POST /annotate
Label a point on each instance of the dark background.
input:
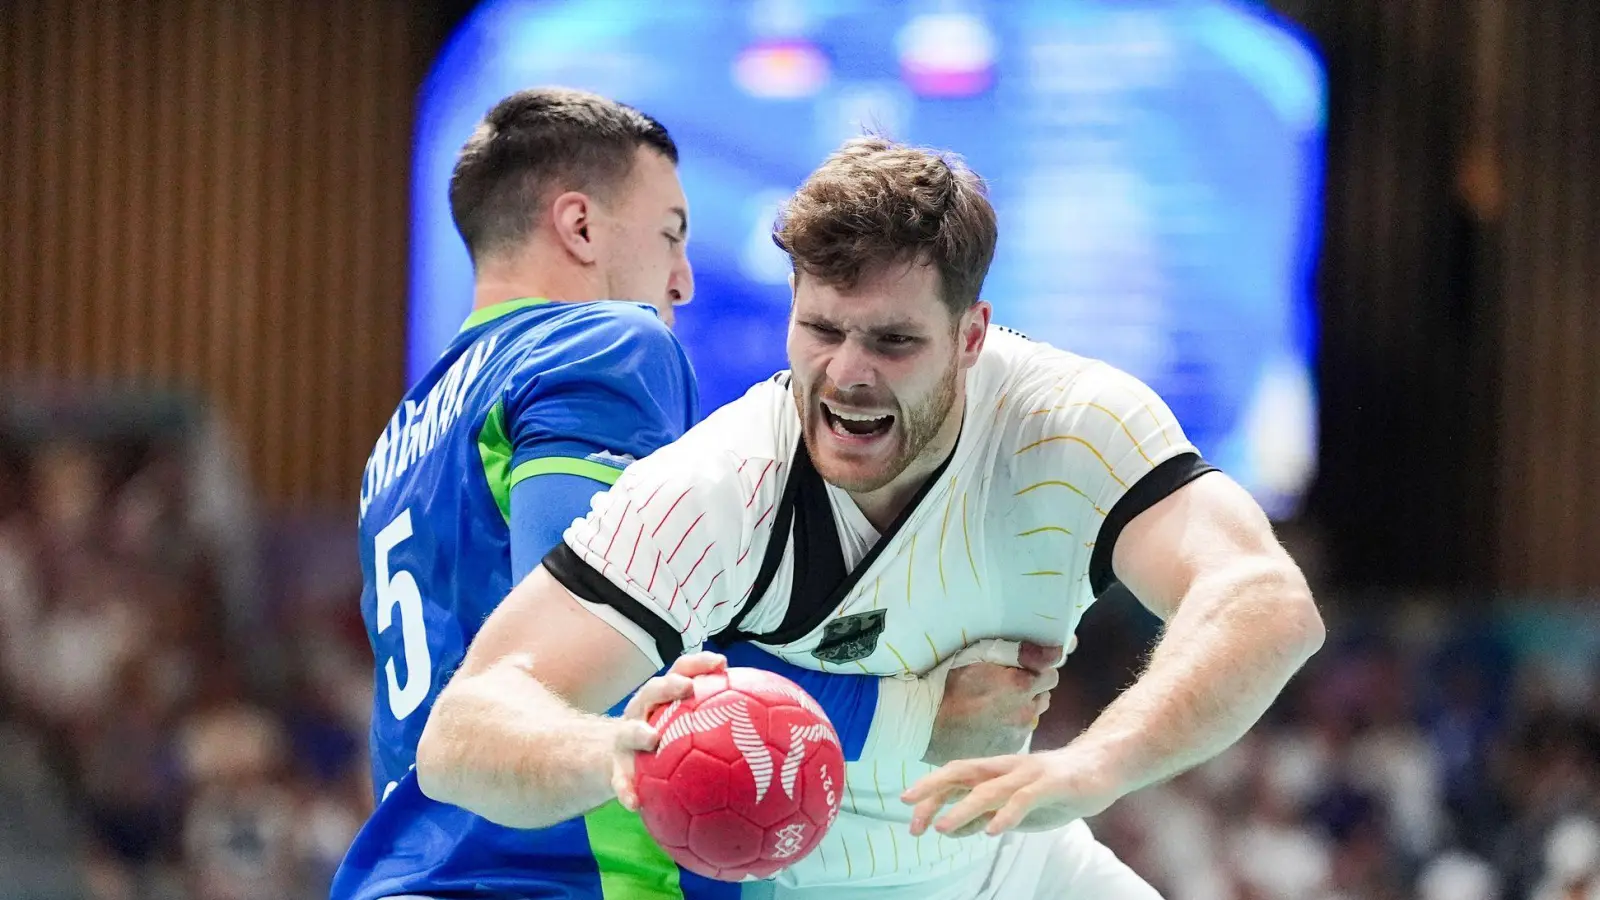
(195, 192)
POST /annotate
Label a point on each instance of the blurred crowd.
(179, 722)
(1429, 754)
(162, 739)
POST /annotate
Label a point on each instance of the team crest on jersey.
(607, 458)
(849, 638)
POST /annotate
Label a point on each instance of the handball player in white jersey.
(919, 481)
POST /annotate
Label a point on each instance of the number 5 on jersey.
(400, 589)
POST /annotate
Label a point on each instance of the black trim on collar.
(820, 580)
(1158, 484)
(770, 560)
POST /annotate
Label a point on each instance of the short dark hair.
(538, 142)
(876, 203)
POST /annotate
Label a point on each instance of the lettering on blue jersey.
(416, 426)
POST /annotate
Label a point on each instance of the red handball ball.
(747, 778)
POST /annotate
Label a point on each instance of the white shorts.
(1064, 864)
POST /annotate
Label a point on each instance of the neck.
(884, 505)
(530, 274)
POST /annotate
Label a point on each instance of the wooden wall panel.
(1458, 292)
(1406, 470)
(1548, 112)
(212, 194)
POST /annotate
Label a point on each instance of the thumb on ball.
(636, 736)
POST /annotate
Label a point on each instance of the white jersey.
(1000, 544)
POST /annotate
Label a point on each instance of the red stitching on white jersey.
(620, 519)
(636, 539)
(685, 537)
(653, 495)
(763, 517)
(696, 605)
(653, 572)
(671, 509)
(703, 554)
(757, 491)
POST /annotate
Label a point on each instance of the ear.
(971, 331)
(570, 215)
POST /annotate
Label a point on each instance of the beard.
(914, 429)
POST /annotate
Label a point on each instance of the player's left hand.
(637, 735)
(1026, 792)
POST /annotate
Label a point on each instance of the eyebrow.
(897, 327)
(905, 327)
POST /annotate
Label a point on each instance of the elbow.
(1271, 599)
(1304, 632)
(449, 767)
(435, 762)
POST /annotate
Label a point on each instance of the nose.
(680, 284)
(850, 366)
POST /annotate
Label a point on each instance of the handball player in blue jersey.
(571, 209)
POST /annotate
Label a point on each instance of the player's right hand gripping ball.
(747, 778)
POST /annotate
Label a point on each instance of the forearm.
(500, 744)
(1227, 652)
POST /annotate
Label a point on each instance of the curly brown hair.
(876, 203)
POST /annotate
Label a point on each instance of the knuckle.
(1025, 795)
(991, 792)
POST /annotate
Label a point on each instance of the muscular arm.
(1239, 622)
(518, 736)
(542, 508)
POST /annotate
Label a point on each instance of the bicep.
(1210, 525)
(573, 652)
(542, 508)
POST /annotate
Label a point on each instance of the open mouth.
(856, 425)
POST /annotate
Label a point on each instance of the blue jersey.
(533, 408)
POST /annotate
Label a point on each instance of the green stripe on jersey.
(494, 448)
(490, 313)
(565, 465)
(632, 865)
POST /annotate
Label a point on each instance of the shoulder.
(1081, 417)
(740, 449)
(1047, 379)
(623, 320)
(604, 350)
(605, 328)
